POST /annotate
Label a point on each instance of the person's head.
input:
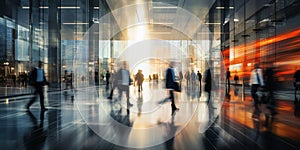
(172, 64)
(256, 65)
(124, 64)
(40, 63)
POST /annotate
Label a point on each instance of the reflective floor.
(86, 119)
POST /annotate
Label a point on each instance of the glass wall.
(263, 32)
(42, 30)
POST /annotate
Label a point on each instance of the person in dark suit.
(199, 78)
(228, 81)
(114, 85)
(207, 86)
(38, 81)
(297, 83)
(107, 77)
(171, 84)
(271, 101)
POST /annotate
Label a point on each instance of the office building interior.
(83, 44)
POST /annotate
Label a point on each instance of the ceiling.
(163, 19)
(197, 7)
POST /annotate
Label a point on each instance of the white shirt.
(253, 79)
(125, 77)
(39, 75)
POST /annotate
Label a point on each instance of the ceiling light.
(75, 23)
(219, 7)
(68, 7)
(265, 20)
(236, 20)
(25, 7)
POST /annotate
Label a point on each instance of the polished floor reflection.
(86, 119)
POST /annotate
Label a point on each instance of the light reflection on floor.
(147, 116)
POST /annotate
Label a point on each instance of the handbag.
(175, 86)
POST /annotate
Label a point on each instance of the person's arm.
(261, 77)
(45, 80)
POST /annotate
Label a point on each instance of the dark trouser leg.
(112, 90)
(172, 97)
(254, 88)
(227, 85)
(41, 93)
(173, 106)
(33, 99)
(200, 85)
(126, 88)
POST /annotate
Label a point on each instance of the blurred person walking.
(199, 79)
(71, 76)
(208, 84)
(193, 79)
(236, 79)
(228, 81)
(107, 78)
(66, 79)
(38, 80)
(256, 81)
(115, 85)
(139, 77)
(270, 100)
(172, 85)
(180, 77)
(297, 84)
(187, 77)
(124, 81)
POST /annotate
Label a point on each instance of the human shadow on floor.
(171, 129)
(36, 136)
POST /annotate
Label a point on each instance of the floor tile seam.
(227, 133)
(229, 124)
(281, 138)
